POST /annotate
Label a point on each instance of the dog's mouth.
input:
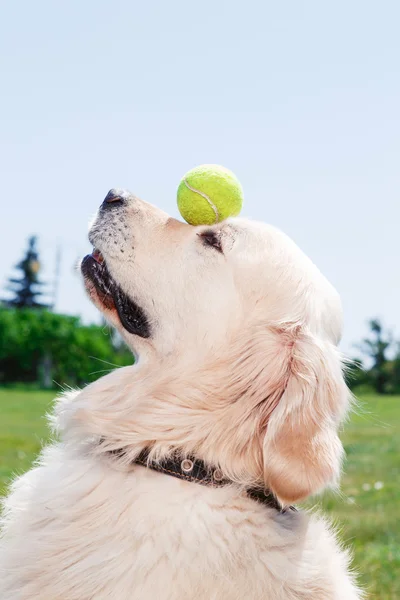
(103, 288)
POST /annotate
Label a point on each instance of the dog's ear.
(301, 449)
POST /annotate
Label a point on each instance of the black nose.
(114, 198)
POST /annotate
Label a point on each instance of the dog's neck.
(216, 412)
(195, 471)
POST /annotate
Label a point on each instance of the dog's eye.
(211, 238)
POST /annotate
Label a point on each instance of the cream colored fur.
(241, 370)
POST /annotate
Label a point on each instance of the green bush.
(41, 346)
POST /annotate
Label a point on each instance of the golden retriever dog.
(174, 478)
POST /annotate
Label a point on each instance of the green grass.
(23, 429)
(368, 518)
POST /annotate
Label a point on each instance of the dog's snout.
(114, 198)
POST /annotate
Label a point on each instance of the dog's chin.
(110, 299)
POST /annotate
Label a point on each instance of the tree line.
(380, 370)
(40, 346)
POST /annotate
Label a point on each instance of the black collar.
(194, 470)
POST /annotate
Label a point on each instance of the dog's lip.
(103, 289)
(97, 279)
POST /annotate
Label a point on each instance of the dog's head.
(236, 330)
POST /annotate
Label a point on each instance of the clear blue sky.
(300, 99)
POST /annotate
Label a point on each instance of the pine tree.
(376, 347)
(26, 289)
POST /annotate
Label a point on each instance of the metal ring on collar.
(187, 465)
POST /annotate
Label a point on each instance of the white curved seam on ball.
(192, 189)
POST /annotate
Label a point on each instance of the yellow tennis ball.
(209, 194)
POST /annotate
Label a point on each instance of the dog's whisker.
(106, 362)
(101, 371)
